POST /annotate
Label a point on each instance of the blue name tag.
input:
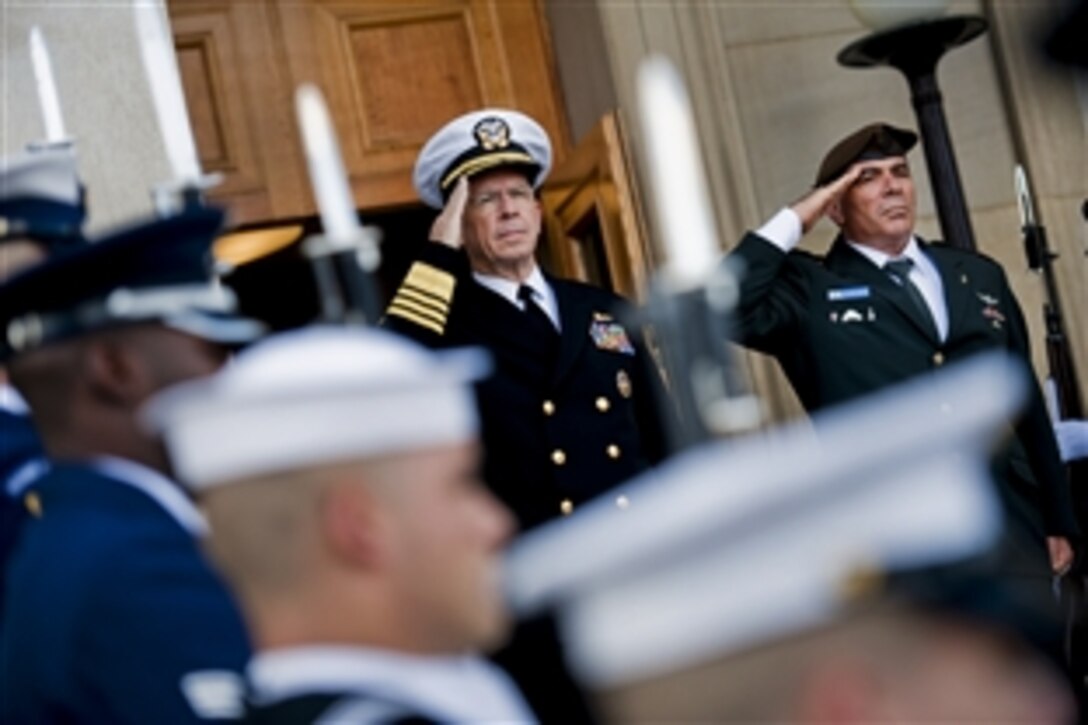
(848, 293)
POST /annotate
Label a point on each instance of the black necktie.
(539, 317)
(899, 270)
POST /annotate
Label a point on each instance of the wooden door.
(392, 73)
(593, 224)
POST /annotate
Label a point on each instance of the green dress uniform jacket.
(563, 420)
(840, 327)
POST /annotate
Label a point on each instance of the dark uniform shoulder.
(963, 255)
(606, 300)
(977, 264)
(804, 257)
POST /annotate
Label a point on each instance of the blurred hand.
(815, 204)
(1061, 554)
(447, 228)
(1072, 438)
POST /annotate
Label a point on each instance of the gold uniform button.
(559, 457)
(602, 404)
(566, 507)
(33, 504)
(549, 407)
(938, 358)
(613, 451)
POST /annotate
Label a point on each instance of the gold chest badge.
(623, 383)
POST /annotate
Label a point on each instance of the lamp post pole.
(914, 50)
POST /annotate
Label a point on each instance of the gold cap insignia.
(492, 133)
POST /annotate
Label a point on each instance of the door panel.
(594, 226)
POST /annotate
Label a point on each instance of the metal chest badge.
(991, 311)
(623, 383)
(610, 335)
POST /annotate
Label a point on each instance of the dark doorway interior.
(279, 288)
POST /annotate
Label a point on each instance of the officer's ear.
(115, 372)
(834, 212)
(352, 526)
(839, 689)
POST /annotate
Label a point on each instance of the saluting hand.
(815, 203)
(447, 227)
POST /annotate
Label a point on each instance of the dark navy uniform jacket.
(111, 607)
(559, 428)
(19, 447)
(841, 328)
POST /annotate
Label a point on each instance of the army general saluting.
(883, 306)
(571, 410)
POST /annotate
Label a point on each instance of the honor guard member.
(884, 305)
(571, 410)
(112, 614)
(831, 582)
(350, 520)
(41, 211)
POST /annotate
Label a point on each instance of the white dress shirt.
(543, 294)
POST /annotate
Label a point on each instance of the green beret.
(875, 141)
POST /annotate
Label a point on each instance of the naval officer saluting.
(571, 411)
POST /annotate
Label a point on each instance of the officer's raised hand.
(817, 202)
(447, 228)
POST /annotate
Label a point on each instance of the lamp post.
(914, 48)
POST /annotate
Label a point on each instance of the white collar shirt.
(543, 294)
(158, 487)
(11, 401)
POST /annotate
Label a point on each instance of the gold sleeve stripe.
(438, 307)
(406, 304)
(411, 317)
(414, 314)
(431, 280)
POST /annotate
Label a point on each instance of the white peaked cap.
(48, 174)
(476, 142)
(738, 543)
(316, 396)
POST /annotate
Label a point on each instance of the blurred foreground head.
(91, 332)
(840, 576)
(339, 471)
(888, 657)
(41, 207)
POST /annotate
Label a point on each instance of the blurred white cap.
(316, 396)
